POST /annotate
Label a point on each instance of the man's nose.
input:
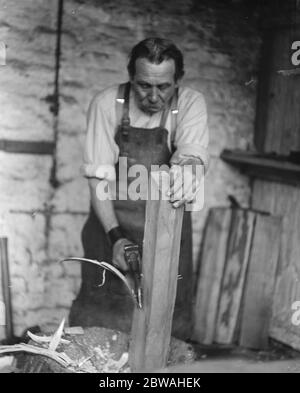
(153, 97)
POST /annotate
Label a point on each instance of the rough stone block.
(32, 298)
(28, 30)
(59, 293)
(72, 196)
(65, 236)
(24, 181)
(69, 157)
(27, 241)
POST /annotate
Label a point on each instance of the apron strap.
(174, 113)
(122, 104)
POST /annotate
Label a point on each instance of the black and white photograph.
(150, 190)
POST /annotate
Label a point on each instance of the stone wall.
(43, 223)
(28, 29)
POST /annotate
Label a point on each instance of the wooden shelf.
(263, 166)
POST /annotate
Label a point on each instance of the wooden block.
(151, 327)
(283, 200)
(237, 257)
(259, 290)
(211, 272)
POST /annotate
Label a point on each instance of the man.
(149, 120)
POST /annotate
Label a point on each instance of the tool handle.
(132, 258)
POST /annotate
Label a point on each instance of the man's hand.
(184, 184)
(118, 258)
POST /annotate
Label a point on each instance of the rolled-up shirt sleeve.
(100, 151)
(192, 136)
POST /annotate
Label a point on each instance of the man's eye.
(163, 87)
(144, 86)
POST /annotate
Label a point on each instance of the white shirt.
(101, 151)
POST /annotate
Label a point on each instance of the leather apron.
(111, 305)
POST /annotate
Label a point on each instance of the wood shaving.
(45, 339)
(59, 357)
(57, 336)
(74, 330)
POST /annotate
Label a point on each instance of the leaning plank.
(151, 327)
(234, 275)
(283, 200)
(257, 304)
(210, 276)
(6, 304)
(2, 304)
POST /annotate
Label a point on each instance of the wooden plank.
(5, 284)
(151, 327)
(2, 304)
(283, 200)
(285, 113)
(263, 92)
(260, 283)
(211, 272)
(278, 116)
(234, 275)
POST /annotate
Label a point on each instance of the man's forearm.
(185, 158)
(104, 209)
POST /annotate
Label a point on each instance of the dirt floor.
(98, 350)
(278, 358)
(276, 351)
(102, 350)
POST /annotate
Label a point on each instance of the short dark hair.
(156, 50)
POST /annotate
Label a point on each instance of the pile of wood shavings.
(99, 350)
(102, 350)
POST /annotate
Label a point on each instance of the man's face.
(153, 84)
